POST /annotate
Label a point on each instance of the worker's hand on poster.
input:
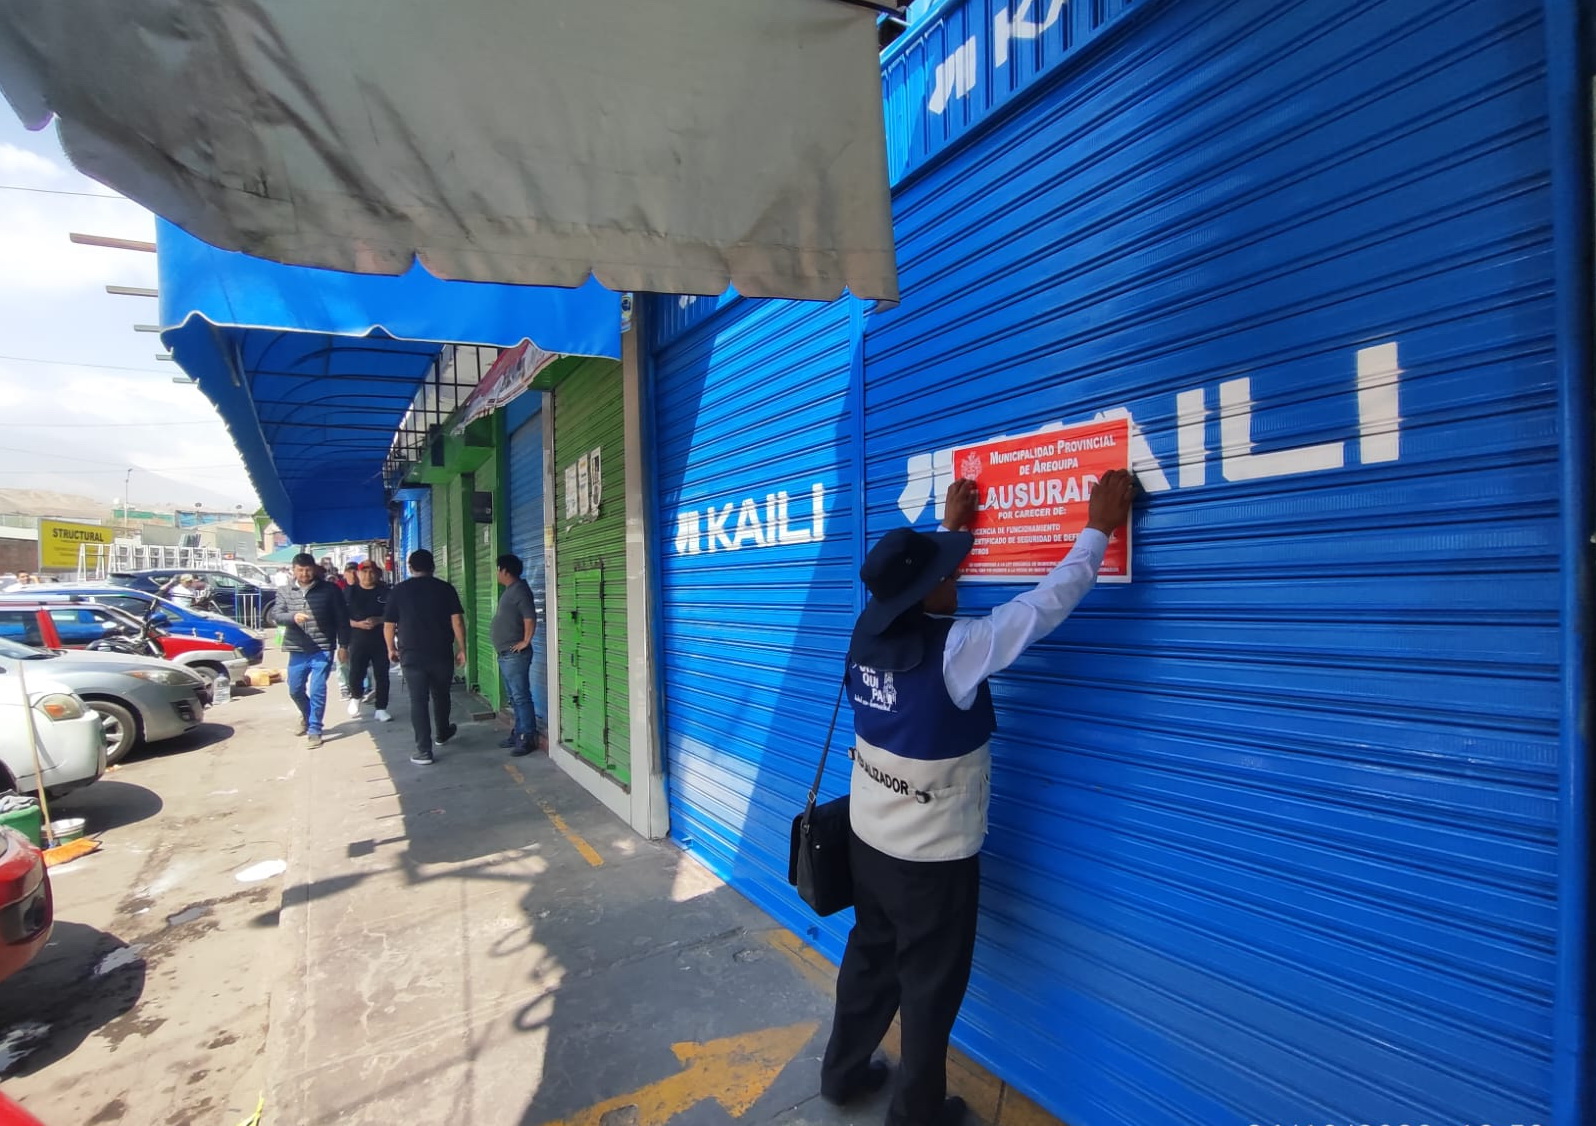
(962, 502)
(1110, 505)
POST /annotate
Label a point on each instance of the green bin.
(29, 822)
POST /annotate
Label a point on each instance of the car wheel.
(121, 729)
(211, 674)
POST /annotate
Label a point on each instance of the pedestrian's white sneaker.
(383, 717)
(354, 709)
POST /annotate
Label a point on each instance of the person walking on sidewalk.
(514, 624)
(315, 625)
(923, 719)
(368, 647)
(425, 629)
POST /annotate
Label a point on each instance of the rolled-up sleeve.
(979, 647)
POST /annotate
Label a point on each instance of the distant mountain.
(151, 492)
(162, 494)
(42, 502)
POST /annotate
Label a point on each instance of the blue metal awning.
(313, 370)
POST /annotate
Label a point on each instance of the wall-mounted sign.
(1034, 492)
(60, 542)
(584, 487)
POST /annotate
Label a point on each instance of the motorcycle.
(139, 642)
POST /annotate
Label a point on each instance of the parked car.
(183, 621)
(61, 625)
(27, 910)
(139, 699)
(12, 1114)
(72, 742)
(238, 598)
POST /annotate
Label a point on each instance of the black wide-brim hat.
(901, 570)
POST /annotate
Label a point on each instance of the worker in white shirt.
(923, 719)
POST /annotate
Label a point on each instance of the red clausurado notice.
(1033, 498)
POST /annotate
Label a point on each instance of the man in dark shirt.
(368, 648)
(315, 625)
(424, 625)
(514, 623)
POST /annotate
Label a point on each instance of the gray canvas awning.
(676, 147)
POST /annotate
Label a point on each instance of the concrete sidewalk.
(480, 941)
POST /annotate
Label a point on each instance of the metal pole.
(1568, 81)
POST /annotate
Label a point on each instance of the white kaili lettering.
(1192, 416)
(1020, 26)
(955, 77)
(689, 533)
(748, 526)
(784, 532)
(717, 520)
(713, 529)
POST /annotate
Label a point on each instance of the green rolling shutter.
(485, 598)
(595, 721)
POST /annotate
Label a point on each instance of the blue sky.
(102, 403)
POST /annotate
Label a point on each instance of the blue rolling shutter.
(1273, 833)
(407, 529)
(409, 524)
(757, 595)
(526, 540)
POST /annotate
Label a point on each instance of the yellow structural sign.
(735, 1072)
(61, 541)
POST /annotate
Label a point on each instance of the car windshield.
(16, 652)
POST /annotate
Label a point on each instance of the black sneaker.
(303, 728)
(447, 733)
(509, 741)
(523, 748)
(423, 758)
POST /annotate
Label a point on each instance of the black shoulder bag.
(817, 863)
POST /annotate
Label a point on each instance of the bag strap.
(825, 750)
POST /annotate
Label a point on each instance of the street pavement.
(361, 940)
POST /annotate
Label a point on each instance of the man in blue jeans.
(315, 621)
(514, 624)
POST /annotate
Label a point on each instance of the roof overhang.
(313, 370)
(678, 147)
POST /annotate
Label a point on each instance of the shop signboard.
(511, 374)
(59, 541)
(1034, 492)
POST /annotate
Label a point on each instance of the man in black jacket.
(368, 649)
(315, 623)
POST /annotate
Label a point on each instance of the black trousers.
(428, 679)
(367, 653)
(909, 950)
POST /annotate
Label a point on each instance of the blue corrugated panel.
(670, 315)
(526, 539)
(753, 634)
(966, 59)
(1274, 827)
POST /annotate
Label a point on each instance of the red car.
(75, 625)
(27, 910)
(13, 1115)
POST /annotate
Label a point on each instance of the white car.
(71, 735)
